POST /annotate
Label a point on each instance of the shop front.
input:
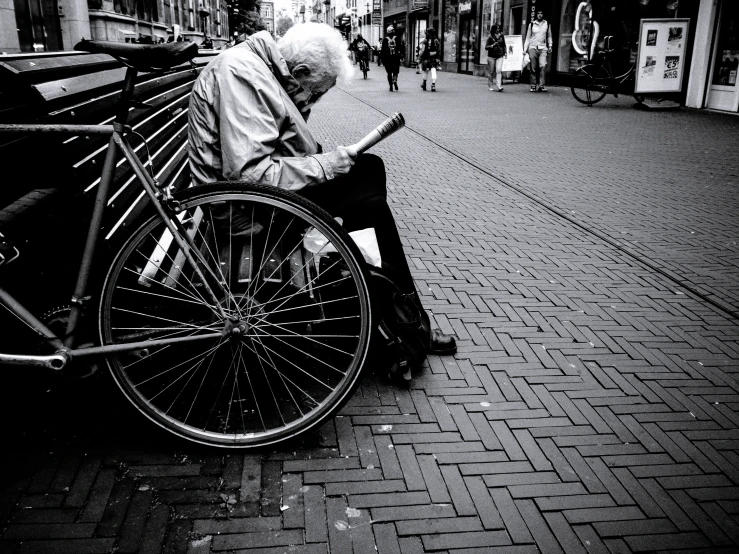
(579, 28)
(723, 90)
(465, 26)
(418, 21)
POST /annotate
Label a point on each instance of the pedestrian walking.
(538, 44)
(392, 52)
(430, 58)
(497, 51)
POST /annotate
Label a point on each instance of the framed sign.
(514, 60)
(661, 56)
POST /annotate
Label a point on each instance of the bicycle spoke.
(138, 385)
(285, 377)
(290, 327)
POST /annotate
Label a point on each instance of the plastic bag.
(526, 60)
(365, 239)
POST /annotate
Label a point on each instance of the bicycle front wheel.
(276, 353)
(589, 84)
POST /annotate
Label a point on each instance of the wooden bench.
(49, 180)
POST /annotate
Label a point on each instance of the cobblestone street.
(586, 259)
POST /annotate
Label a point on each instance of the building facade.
(267, 12)
(49, 25)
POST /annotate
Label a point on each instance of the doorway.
(723, 93)
(466, 44)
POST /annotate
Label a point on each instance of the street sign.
(376, 19)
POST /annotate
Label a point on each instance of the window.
(451, 8)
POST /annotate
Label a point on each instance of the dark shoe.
(396, 85)
(442, 344)
(542, 89)
(391, 88)
(423, 85)
(433, 87)
(532, 88)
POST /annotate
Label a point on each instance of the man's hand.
(343, 158)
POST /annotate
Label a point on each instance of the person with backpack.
(430, 58)
(496, 49)
(538, 45)
(392, 53)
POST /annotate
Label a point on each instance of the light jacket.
(244, 123)
(538, 36)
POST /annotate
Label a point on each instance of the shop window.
(579, 32)
(727, 53)
(451, 9)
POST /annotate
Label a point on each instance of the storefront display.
(727, 51)
(584, 24)
(450, 18)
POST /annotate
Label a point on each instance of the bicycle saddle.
(143, 57)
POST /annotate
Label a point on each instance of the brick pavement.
(592, 406)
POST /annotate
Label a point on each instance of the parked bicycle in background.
(592, 82)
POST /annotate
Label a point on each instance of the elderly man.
(247, 122)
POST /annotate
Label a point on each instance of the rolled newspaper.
(382, 131)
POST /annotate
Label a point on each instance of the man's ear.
(301, 71)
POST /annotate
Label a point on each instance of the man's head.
(390, 31)
(359, 36)
(316, 57)
(539, 15)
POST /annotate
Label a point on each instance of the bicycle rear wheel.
(589, 84)
(287, 347)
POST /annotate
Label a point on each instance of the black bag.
(402, 337)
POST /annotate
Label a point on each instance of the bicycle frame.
(65, 350)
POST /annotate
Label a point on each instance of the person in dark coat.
(392, 53)
(496, 49)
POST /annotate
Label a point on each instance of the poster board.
(514, 46)
(662, 55)
(514, 60)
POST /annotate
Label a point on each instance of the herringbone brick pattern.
(593, 405)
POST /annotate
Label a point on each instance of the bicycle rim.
(288, 349)
(588, 83)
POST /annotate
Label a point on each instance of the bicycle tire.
(584, 83)
(303, 330)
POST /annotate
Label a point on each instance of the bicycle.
(233, 315)
(591, 82)
(364, 66)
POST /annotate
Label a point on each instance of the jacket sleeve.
(550, 42)
(250, 114)
(505, 48)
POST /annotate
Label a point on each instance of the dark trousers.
(360, 199)
(392, 68)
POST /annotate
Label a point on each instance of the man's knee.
(369, 169)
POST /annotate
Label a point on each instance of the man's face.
(539, 16)
(317, 85)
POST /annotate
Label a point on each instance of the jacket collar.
(264, 46)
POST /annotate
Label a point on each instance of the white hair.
(320, 47)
